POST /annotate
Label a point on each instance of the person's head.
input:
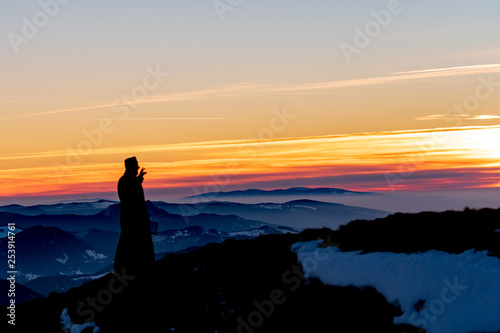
(131, 164)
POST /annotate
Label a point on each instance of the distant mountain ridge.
(61, 251)
(289, 191)
(221, 215)
(77, 207)
(25, 210)
(46, 251)
(303, 213)
(173, 221)
(109, 219)
(59, 260)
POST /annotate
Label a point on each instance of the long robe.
(135, 249)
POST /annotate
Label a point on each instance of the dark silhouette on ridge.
(135, 250)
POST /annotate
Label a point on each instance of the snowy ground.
(438, 291)
(69, 326)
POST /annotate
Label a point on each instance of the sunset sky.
(222, 95)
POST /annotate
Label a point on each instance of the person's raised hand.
(142, 173)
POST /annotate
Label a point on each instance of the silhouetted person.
(135, 249)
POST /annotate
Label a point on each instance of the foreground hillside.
(211, 288)
(259, 285)
(450, 231)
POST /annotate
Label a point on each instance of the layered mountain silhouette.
(223, 216)
(65, 250)
(22, 292)
(226, 286)
(49, 251)
(90, 207)
(300, 191)
(297, 213)
(68, 222)
(108, 219)
(25, 210)
(56, 260)
(170, 221)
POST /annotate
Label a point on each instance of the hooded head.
(131, 164)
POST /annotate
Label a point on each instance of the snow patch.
(95, 255)
(308, 207)
(63, 261)
(28, 276)
(183, 233)
(81, 234)
(68, 326)
(270, 206)
(102, 205)
(157, 239)
(93, 277)
(457, 292)
(249, 233)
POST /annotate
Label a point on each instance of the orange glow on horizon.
(413, 160)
